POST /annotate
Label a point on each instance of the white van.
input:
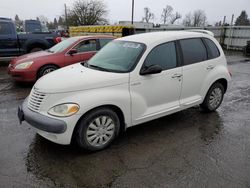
(132, 80)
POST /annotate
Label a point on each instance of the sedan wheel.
(45, 70)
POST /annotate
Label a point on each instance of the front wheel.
(97, 129)
(46, 69)
(213, 98)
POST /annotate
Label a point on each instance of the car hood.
(31, 57)
(77, 77)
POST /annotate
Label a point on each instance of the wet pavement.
(187, 149)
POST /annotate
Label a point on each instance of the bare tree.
(175, 17)
(43, 19)
(197, 19)
(87, 12)
(166, 14)
(148, 15)
(187, 21)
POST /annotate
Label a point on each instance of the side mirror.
(153, 69)
(72, 51)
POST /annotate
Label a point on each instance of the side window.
(86, 46)
(5, 29)
(163, 55)
(213, 51)
(103, 42)
(193, 50)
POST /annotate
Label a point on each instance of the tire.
(46, 69)
(213, 98)
(97, 129)
(36, 49)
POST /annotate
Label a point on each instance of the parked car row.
(30, 67)
(14, 44)
(130, 81)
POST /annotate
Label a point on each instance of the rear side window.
(163, 55)
(5, 29)
(103, 42)
(193, 50)
(213, 51)
(86, 46)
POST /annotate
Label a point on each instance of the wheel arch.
(223, 81)
(36, 44)
(115, 108)
(47, 64)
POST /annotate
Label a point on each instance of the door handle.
(210, 67)
(177, 76)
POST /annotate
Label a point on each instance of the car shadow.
(69, 165)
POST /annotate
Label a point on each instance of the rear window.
(213, 51)
(5, 29)
(103, 42)
(193, 50)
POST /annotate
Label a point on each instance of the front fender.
(89, 99)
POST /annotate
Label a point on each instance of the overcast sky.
(121, 9)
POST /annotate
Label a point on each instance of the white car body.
(140, 98)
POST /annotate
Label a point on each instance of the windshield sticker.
(131, 45)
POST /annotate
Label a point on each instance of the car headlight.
(24, 65)
(64, 110)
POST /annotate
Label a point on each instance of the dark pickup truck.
(13, 44)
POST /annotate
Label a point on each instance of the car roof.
(162, 36)
(93, 36)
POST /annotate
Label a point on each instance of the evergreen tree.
(242, 19)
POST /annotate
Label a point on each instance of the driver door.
(156, 95)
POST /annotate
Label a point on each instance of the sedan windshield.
(117, 56)
(61, 46)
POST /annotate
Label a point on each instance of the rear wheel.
(213, 98)
(97, 129)
(46, 69)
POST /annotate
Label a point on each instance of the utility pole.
(230, 33)
(222, 32)
(133, 5)
(66, 16)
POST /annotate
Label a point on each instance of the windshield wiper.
(96, 67)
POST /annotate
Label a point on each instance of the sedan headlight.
(64, 110)
(24, 65)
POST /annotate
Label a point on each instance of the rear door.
(8, 40)
(194, 70)
(85, 50)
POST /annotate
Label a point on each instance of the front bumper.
(40, 121)
(22, 75)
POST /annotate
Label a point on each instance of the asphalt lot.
(186, 149)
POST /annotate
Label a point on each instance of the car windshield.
(61, 46)
(117, 56)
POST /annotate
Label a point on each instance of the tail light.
(57, 39)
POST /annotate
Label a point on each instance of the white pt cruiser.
(132, 80)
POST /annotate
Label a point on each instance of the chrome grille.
(35, 100)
